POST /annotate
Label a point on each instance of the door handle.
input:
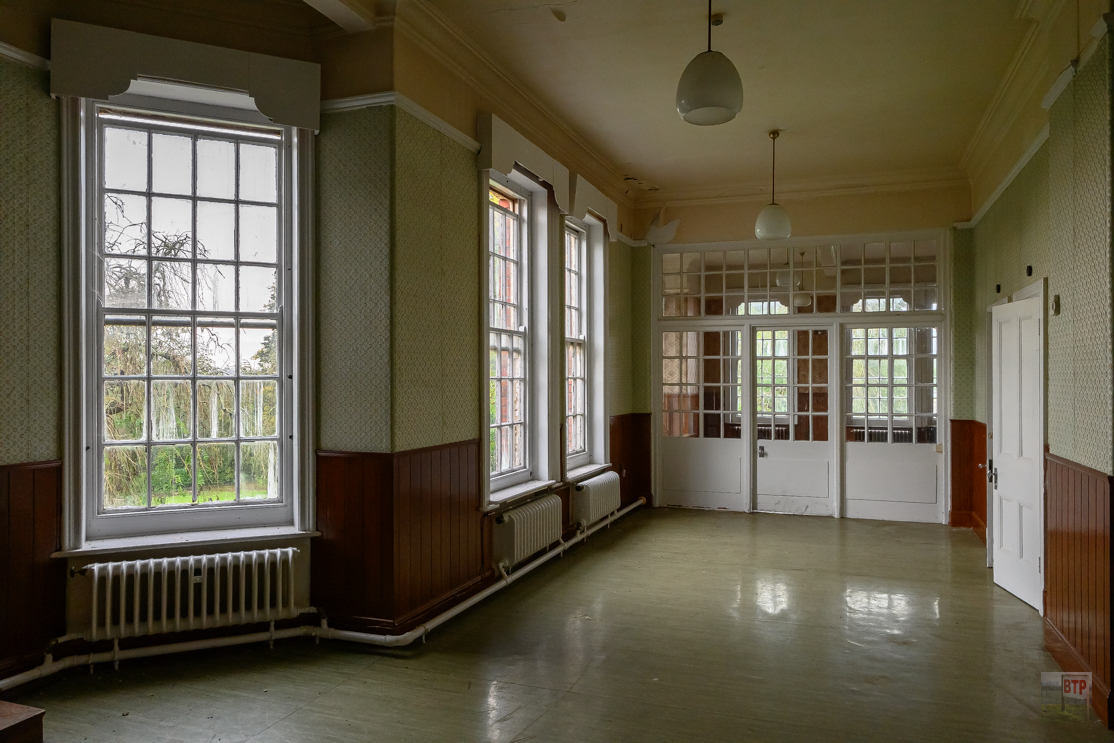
(761, 451)
(992, 477)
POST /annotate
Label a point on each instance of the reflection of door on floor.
(1017, 447)
(792, 424)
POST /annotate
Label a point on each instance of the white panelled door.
(1017, 448)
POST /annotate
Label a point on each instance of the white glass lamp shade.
(773, 223)
(801, 300)
(710, 91)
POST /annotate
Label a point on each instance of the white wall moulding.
(1042, 137)
(394, 98)
(97, 62)
(501, 147)
(586, 198)
(1058, 86)
(16, 54)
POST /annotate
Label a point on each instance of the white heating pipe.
(50, 666)
(117, 655)
(394, 641)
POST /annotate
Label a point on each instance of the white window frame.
(545, 344)
(583, 337)
(522, 215)
(593, 244)
(87, 525)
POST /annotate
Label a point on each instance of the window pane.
(125, 159)
(259, 470)
(172, 285)
(172, 164)
(216, 169)
(172, 227)
(258, 233)
(258, 411)
(125, 224)
(258, 289)
(125, 350)
(172, 349)
(216, 350)
(216, 287)
(258, 168)
(216, 410)
(125, 411)
(216, 473)
(216, 230)
(258, 351)
(171, 475)
(124, 476)
(170, 408)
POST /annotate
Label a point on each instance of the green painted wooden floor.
(672, 625)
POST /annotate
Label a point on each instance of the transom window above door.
(898, 276)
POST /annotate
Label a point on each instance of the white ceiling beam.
(351, 15)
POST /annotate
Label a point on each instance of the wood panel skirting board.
(404, 536)
(1078, 573)
(32, 585)
(968, 480)
(631, 443)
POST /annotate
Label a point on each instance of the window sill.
(190, 539)
(589, 470)
(500, 498)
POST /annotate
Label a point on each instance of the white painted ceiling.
(862, 89)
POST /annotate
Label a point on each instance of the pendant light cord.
(773, 168)
(709, 25)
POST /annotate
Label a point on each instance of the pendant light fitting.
(710, 91)
(773, 222)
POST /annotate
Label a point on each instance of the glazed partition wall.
(803, 378)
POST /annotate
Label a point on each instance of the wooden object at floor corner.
(1077, 622)
(968, 480)
(20, 724)
(32, 584)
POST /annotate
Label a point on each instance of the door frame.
(942, 317)
(1036, 290)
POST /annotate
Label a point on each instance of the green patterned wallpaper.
(30, 362)
(619, 329)
(353, 280)
(641, 358)
(963, 324)
(1055, 216)
(435, 283)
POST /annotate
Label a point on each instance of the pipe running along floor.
(672, 625)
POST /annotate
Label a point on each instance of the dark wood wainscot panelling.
(968, 451)
(403, 536)
(32, 585)
(631, 444)
(1078, 572)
